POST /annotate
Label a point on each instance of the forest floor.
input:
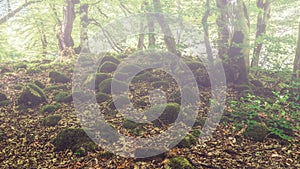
(26, 143)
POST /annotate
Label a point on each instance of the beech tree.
(297, 57)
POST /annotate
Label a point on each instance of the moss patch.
(63, 97)
(188, 141)
(180, 163)
(39, 84)
(102, 97)
(105, 86)
(75, 139)
(50, 108)
(51, 120)
(169, 114)
(32, 95)
(110, 59)
(108, 67)
(257, 132)
(58, 77)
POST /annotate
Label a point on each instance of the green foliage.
(275, 113)
(188, 141)
(257, 131)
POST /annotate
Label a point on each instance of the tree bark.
(262, 22)
(297, 57)
(206, 32)
(150, 23)
(84, 22)
(141, 43)
(168, 36)
(233, 40)
(65, 40)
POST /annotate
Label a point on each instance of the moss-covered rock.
(39, 84)
(102, 97)
(110, 59)
(108, 67)
(202, 77)
(4, 103)
(176, 97)
(169, 114)
(75, 139)
(20, 66)
(55, 87)
(146, 76)
(188, 141)
(3, 97)
(122, 101)
(128, 124)
(51, 120)
(58, 77)
(97, 79)
(180, 163)
(130, 69)
(49, 108)
(64, 97)
(121, 76)
(194, 65)
(31, 95)
(105, 86)
(257, 132)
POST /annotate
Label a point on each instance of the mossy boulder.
(122, 101)
(49, 108)
(39, 84)
(180, 163)
(188, 141)
(64, 97)
(51, 120)
(194, 65)
(128, 124)
(55, 87)
(169, 114)
(257, 131)
(108, 67)
(75, 139)
(97, 79)
(58, 77)
(146, 76)
(110, 59)
(31, 95)
(3, 97)
(102, 97)
(105, 86)
(202, 77)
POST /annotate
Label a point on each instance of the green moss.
(55, 87)
(39, 84)
(122, 101)
(102, 97)
(105, 86)
(4, 103)
(63, 97)
(146, 76)
(194, 65)
(110, 59)
(130, 69)
(33, 70)
(18, 87)
(108, 67)
(2, 97)
(128, 124)
(97, 79)
(169, 114)
(180, 163)
(58, 77)
(50, 108)
(107, 155)
(161, 84)
(202, 77)
(257, 132)
(20, 66)
(188, 141)
(31, 95)
(197, 133)
(51, 120)
(74, 139)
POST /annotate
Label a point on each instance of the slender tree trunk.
(206, 32)
(168, 36)
(297, 57)
(150, 23)
(65, 40)
(262, 22)
(84, 22)
(141, 44)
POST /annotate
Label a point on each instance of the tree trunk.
(65, 41)
(233, 48)
(297, 57)
(84, 22)
(262, 22)
(150, 23)
(206, 32)
(168, 36)
(141, 44)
